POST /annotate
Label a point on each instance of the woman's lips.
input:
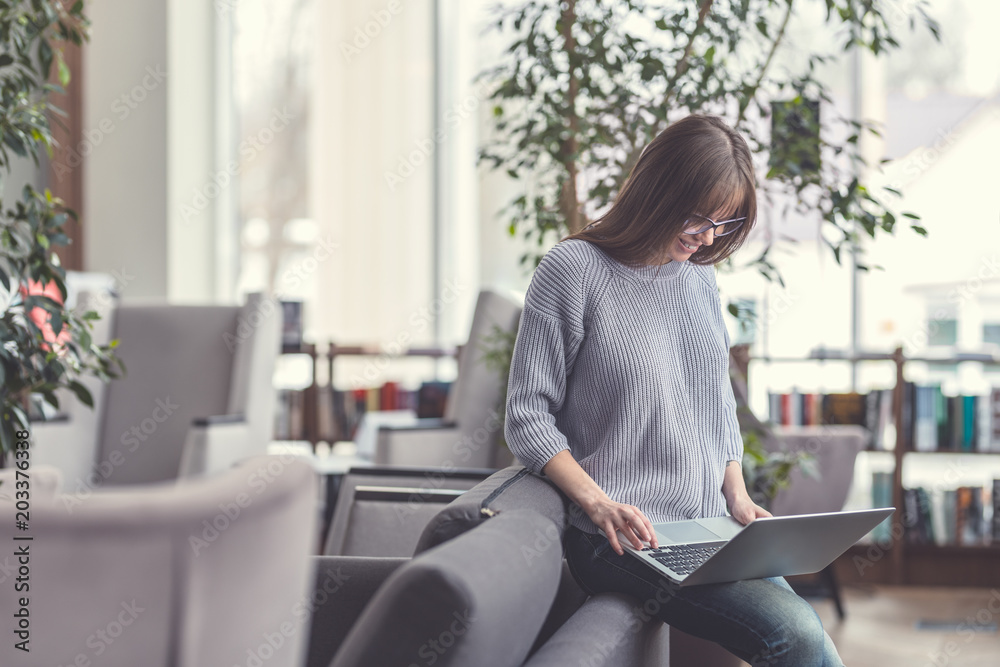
(686, 249)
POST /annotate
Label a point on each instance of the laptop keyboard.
(684, 558)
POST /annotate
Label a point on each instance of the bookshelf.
(305, 411)
(898, 560)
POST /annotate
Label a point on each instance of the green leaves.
(43, 345)
(571, 119)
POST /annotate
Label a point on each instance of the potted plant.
(44, 346)
(584, 86)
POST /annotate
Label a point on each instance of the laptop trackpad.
(684, 531)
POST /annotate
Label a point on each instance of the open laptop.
(720, 549)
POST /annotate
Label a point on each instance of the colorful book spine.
(882, 497)
(925, 422)
(949, 514)
(941, 417)
(995, 533)
(994, 427)
(968, 423)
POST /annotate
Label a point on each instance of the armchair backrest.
(474, 399)
(256, 340)
(178, 369)
(168, 574)
(835, 448)
(186, 363)
(380, 524)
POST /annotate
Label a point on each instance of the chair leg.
(834, 587)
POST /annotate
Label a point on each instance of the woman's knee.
(800, 641)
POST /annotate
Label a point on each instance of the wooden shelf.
(310, 394)
(901, 562)
(991, 550)
(950, 451)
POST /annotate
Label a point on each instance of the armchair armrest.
(431, 444)
(218, 419)
(609, 629)
(215, 443)
(423, 424)
(343, 586)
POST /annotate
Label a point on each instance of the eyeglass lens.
(696, 225)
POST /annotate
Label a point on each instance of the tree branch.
(569, 201)
(745, 103)
(682, 66)
(684, 62)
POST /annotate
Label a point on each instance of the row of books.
(964, 516)
(872, 410)
(338, 412)
(931, 421)
(951, 423)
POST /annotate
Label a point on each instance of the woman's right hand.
(606, 514)
(612, 517)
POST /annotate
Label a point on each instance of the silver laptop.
(720, 549)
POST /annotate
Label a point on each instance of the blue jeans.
(761, 621)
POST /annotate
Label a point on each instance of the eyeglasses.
(696, 224)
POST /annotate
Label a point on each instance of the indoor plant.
(44, 345)
(584, 85)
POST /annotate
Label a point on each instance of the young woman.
(619, 390)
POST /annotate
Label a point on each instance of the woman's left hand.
(745, 510)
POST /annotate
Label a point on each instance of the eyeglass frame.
(713, 223)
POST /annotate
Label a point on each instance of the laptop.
(720, 549)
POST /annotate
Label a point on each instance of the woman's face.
(685, 245)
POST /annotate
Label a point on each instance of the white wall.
(197, 183)
(373, 172)
(148, 117)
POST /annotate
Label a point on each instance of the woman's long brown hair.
(697, 165)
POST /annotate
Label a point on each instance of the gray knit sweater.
(630, 372)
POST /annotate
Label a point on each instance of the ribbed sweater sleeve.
(548, 338)
(733, 439)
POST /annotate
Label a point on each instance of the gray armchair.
(487, 586)
(468, 434)
(203, 573)
(382, 511)
(197, 396)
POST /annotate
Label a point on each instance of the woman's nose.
(707, 236)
